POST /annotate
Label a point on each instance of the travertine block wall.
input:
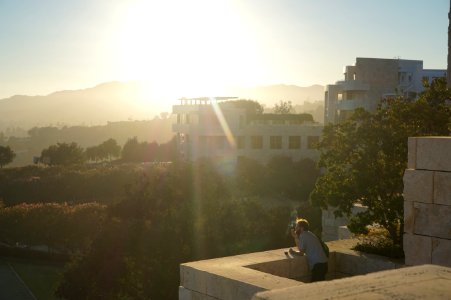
(427, 202)
(334, 228)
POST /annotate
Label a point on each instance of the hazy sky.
(200, 46)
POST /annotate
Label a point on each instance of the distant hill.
(114, 101)
(118, 101)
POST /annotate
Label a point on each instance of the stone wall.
(427, 202)
(335, 228)
(242, 276)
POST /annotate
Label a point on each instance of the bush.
(378, 242)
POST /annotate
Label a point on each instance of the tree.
(63, 154)
(252, 107)
(365, 158)
(284, 107)
(110, 148)
(6, 155)
(106, 150)
(176, 213)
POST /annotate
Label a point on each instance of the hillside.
(118, 101)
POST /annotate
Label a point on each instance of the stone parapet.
(242, 276)
(420, 282)
(427, 205)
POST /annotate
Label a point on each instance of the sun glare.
(182, 51)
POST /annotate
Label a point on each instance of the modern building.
(221, 130)
(372, 79)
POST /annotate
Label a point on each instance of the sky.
(205, 46)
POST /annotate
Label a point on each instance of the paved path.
(11, 286)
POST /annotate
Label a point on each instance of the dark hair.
(302, 223)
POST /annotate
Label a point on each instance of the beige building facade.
(219, 130)
(371, 79)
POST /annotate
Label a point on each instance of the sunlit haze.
(204, 47)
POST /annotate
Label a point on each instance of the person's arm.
(299, 251)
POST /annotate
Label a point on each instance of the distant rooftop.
(204, 100)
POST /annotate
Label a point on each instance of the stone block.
(246, 291)
(441, 252)
(432, 220)
(298, 268)
(418, 185)
(349, 264)
(409, 217)
(433, 153)
(442, 188)
(412, 155)
(420, 282)
(375, 263)
(184, 294)
(417, 249)
(193, 279)
(344, 233)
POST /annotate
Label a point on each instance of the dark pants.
(319, 272)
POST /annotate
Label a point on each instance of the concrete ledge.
(242, 276)
(420, 282)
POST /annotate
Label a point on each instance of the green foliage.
(283, 107)
(281, 177)
(365, 158)
(135, 151)
(73, 184)
(6, 155)
(252, 107)
(173, 214)
(63, 154)
(105, 151)
(40, 138)
(59, 226)
(380, 245)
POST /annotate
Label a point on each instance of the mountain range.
(120, 101)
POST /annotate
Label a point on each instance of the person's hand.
(293, 233)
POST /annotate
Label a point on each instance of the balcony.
(351, 104)
(353, 85)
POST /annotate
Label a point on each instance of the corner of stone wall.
(427, 202)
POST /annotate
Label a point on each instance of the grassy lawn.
(41, 277)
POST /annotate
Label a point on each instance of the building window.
(240, 142)
(257, 142)
(275, 142)
(294, 142)
(312, 142)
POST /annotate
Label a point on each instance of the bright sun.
(182, 51)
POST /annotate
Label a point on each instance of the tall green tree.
(365, 158)
(106, 150)
(63, 154)
(6, 155)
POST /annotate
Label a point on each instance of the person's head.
(301, 224)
